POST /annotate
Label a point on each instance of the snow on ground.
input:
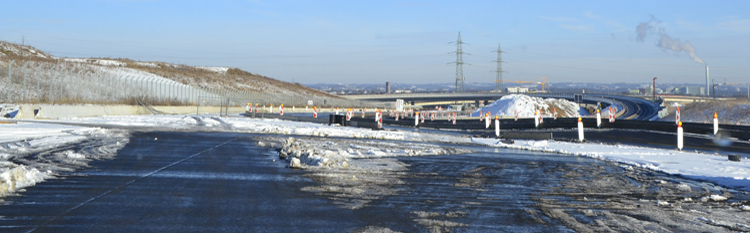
(104, 62)
(217, 69)
(33, 152)
(526, 106)
(326, 147)
(712, 168)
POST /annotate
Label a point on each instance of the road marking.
(130, 182)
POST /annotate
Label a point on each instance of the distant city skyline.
(403, 42)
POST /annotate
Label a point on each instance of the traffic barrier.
(598, 119)
(281, 109)
(422, 117)
(454, 118)
(677, 115)
(536, 119)
(397, 115)
(515, 112)
(363, 113)
(247, 107)
(348, 114)
(432, 116)
(679, 135)
(315, 112)
(481, 115)
(541, 117)
(379, 118)
(611, 115)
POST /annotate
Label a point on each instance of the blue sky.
(400, 41)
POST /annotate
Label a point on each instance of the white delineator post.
(679, 135)
(580, 130)
(497, 127)
(270, 108)
(281, 109)
(247, 107)
(487, 121)
(315, 112)
(677, 116)
(536, 119)
(305, 108)
(598, 119)
(292, 108)
(716, 124)
(416, 119)
(337, 110)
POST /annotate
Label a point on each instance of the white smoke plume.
(665, 41)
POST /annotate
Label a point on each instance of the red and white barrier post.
(679, 135)
(580, 130)
(256, 108)
(598, 119)
(422, 119)
(515, 112)
(716, 123)
(432, 116)
(315, 112)
(379, 119)
(481, 115)
(363, 112)
(281, 109)
(497, 127)
(487, 121)
(611, 115)
(677, 116)
(555, 113)
(397, 115)
(348, 114)
(541, 117)
(454, 118)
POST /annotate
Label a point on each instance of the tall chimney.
(708, 91)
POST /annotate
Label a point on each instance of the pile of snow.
(30, 152)
(526, 106)
(307, 152)
(699, 166)
(148, 64)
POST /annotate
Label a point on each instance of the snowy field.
(19, 141)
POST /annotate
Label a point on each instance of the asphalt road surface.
(223, 182)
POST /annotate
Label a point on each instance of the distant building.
(388, 87)
(692, 90)
(633, 91)
(517, 89)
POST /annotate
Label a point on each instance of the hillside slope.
(51, 71)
